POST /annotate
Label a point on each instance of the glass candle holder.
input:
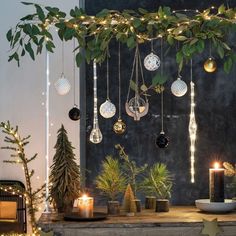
(85, 206)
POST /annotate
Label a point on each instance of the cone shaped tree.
(128, 202)
(65, 174)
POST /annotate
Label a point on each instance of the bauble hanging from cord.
(152, 62)
(74, 113)
(179, 88)
(62, 85)
(162, 140)
(210, 65)
(119, 127)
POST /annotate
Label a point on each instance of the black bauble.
(162, 140)
(74, 113)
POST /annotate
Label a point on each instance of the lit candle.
(85, 205)
(216, 175)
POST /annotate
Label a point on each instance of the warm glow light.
(216, 165)
(84, 197)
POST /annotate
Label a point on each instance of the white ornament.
(107, 109)
(179, 87)
(62, 85)
(152, 62)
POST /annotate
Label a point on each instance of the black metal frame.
(21, 204)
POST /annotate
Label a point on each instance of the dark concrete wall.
(215, 112)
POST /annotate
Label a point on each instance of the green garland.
(129, 27)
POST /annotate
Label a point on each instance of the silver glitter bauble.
(152, 62)
(179, 88)
(107, 109)
(62, 85)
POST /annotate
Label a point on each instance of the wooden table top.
(177, 216)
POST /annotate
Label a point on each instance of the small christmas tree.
(129, 205)
(65, 174)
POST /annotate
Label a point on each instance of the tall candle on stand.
(85, 205)
(216, 183)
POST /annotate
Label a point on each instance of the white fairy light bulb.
(62, 85)
(179, 88)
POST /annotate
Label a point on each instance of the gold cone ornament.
(210, 65)
(119, 127)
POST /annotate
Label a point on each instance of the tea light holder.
(85, 206)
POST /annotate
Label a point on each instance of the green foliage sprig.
(131, 170)
(94, 33)
(111, 180)
(158, 181)
(17, 145)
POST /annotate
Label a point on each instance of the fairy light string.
(192, 125)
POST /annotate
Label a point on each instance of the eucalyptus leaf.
(133, 86)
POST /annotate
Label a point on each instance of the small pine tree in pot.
(159, 182)
(111, 182)
(65, 174)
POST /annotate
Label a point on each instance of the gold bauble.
(119, 127)
(210, 65)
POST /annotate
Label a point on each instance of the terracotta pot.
(113, 208)
(162, 205)
(138, 205)
(150, 202)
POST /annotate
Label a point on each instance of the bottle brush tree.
(65, 174)
(128, 202)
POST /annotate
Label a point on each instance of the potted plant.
(65, 174)
(230, 171)
(159, 182)
(111, 182)
(132, 173)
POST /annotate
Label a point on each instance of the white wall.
(21, 93)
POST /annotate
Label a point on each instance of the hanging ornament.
(119, 127)
(179, 88)
(137, 106)
(74, 113)
(192, 128)
(162, 140)
(210, 65)
(107, 109)
(152, 62)
(62, 85)
(95, 135)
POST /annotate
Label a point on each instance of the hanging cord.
(136, 72)
(210, 49)
(119, 77)
(74, 72)
(142, 76)
(162, 93)
(63, 59)
(191, 70)
(132, 73)
(152, 50)
(108, 74)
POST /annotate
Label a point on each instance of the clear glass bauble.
(179, 88)
(107, 109)
(152, 62)
(119, 127)
(137, 105)
(62, 85)
(95, 136)
(210, 65)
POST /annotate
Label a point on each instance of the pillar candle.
(216, 175)
(85, 205)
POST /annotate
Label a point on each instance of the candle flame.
(84, 196)
(216, 165)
